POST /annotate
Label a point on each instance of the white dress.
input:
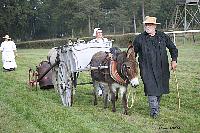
(8, 56)
(103, 40)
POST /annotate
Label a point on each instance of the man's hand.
(173, 65)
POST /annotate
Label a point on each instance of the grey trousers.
(154, 104)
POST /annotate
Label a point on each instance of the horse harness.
(113, 70)
(114, 74)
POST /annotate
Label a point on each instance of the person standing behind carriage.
(8, 49)
(153, 62)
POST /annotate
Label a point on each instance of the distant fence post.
(174, 35)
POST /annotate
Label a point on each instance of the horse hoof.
(113, 110)
(116, 98)
(125, 113)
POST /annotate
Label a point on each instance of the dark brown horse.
(121, 72)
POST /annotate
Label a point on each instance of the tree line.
(40, 19)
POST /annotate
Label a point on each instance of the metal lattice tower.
(186, 15)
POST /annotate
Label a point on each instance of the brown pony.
(114, 80)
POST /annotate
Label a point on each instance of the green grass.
(25, 110)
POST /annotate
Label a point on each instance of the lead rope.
(132, 98)
(178, 94)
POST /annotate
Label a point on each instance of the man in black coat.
(153, 62)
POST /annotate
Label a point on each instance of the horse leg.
(105, 101)
(113, 99)
(95, 98)
(105, 95)
(124, 104)
(95, 84)
(113, 102)
(117, 91)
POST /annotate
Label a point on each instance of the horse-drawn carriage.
(67, 61)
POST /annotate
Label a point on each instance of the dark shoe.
(5, 70)
(12, 69)
(154, 115)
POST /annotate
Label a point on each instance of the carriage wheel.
(65, 85)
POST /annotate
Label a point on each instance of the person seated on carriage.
(112, 54)
(100, 39)
(98, 36)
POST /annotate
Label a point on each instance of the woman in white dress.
(98, 36)
(8, 49)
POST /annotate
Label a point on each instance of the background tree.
(40, 19)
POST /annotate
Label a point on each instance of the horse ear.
(130, 46)
(129, 51)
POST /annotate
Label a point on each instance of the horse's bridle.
(124, 69)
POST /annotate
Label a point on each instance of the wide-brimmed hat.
(95, 31)
(150, 20)
(6, 37)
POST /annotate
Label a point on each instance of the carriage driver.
(153, 62)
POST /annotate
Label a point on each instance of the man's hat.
(95, 31)
(150, 20)
(6, 37)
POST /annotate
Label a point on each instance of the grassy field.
(23, 110)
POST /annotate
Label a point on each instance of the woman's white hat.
(95, 31)
(6, 37)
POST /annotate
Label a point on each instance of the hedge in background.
(118, 40)
(41, 44)
(122, 40)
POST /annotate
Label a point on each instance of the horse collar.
(114, 74)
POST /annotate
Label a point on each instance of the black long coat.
(153, 61)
